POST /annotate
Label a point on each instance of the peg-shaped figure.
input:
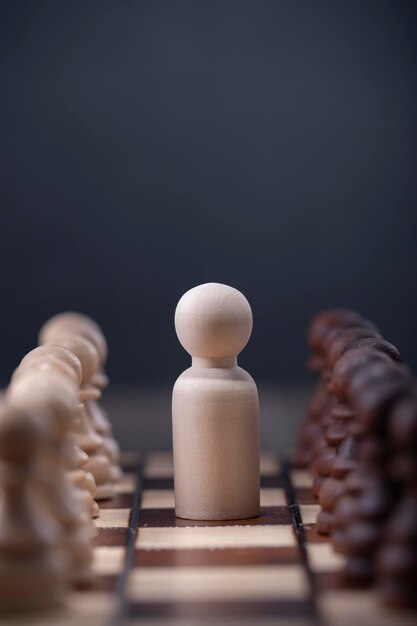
(215, 409)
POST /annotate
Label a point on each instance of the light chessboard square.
(214, 537)
(158, 499)
(301, 479)
(113, 518)
(159, 465)
(350, 607)
(87, 607)
(323, 558)
(274, 496)
(269, 464)
(108, 559)
(163, 584)
(309, 513)
(126, 484)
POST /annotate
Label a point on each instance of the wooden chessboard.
(152, 568)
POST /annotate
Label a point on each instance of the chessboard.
(153, 568)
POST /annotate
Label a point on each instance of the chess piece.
(339, 440)
(215, 409)
(102, 425)
(53, 396)
(54, 358)
(396, 563)
(338, 340)
(322, 327)
(88, 439)
(319, 328)
(76, 323)
(317, 408)
(32, 568)
(362, 509)
(71, 322)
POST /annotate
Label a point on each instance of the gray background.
(149, 146)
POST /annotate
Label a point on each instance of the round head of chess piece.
(85, 351)
(52, 357)
(213, 321)
(344, 339)
(375, 392)
(359, 354)
(72, 322)
(49, 389)
(323, 323)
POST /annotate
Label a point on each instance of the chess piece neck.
(221, 362)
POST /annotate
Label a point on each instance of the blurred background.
(150, 146)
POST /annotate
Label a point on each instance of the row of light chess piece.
(58, 458)
(359, 438)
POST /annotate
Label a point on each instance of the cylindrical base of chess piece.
(216, 444)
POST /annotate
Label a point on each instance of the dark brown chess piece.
(319, 328)
(310, 429)
(368, 497)
(342, 446)
(396, 564)
(339, 340)
(320, 404)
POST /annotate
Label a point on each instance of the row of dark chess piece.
(359, 438)
(58, 458)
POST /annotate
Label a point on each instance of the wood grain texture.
(214, 537)
(216, 584)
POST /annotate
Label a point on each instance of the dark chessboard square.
(118, 501)
(246, 557)
(111, 537)
(282, 609)
(160, 518)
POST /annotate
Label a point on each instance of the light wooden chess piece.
(52, 397)
(88, 439)
(215, 410)
(54, 358)
(102, 426)
(71, 322)
(79, 475)
(51, 357)
(32, 567)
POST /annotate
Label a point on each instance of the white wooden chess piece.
(88, 439)
(215, 409)
(52, 358)
(69, 323)
(53, 396)
(32, 567)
